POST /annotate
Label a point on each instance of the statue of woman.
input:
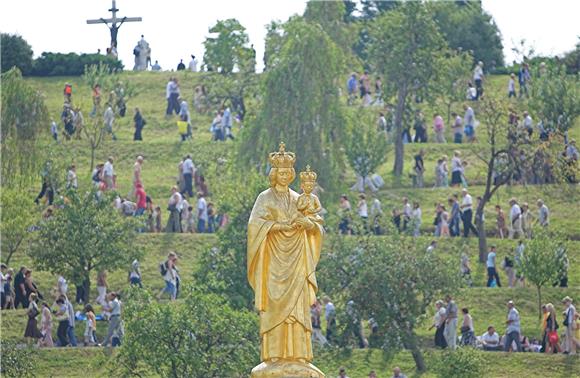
(283, 251)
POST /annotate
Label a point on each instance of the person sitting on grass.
(490, 340)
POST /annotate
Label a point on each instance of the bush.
(16, 361)
(15, 52)
(463, 362)
(71, 64)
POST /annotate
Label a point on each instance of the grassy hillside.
(163, 150)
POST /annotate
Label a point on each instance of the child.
(308, 204)
(91, 326)
(512, 86)
(189, 221)
(54, 129)
(157, 219)
(500, 219)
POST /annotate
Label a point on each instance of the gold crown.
(308, 175)
(282, 159)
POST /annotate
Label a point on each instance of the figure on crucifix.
(114, 23)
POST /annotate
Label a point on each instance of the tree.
(273, 43)
(228, 49)
(467, 27)
(85, 235)
(24, 120)
(391, 280)
(223, 270)
(366, 148)
(555, 97)
(572, 60)
(300, 103)
(200, 337)
(17, 216)
(453, 75)
(541, 263)
(405, 44)
(16, 360)
(16, 52)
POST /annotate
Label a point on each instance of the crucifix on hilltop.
(115, 23)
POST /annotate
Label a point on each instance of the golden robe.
(281, 270)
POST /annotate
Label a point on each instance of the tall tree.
(405, 44)
(24, 120)
(300, 103)
(83, 236)
(330, 16)
(227, 48)
(15, 52)
(453, 75)
(465, 25)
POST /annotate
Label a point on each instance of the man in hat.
(569, 322)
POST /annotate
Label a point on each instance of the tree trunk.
(399, 146)
(480, 224)
(93, 148)
(86, 289)
(411, 344)
(539, 302)
(10, 253)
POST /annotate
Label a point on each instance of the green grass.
(163, 150)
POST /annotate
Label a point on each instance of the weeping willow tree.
(24, 119)
(300, 104)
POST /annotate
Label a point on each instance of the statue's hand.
(281, 227)
(304, 223)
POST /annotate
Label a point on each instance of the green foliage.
(223, 270)
(543, 260)
(374, 8)
(24, 119)
(453, 74)
(300, 103)
(17, 211)
(466, 26)
(199, 337)
(463, 362)
(366, 147)
(71, 64)
(16, 361)
(16, 52)
(555, 97)
(391, 280)
(405, 47)
(572, 60)
(82, 236)
(228, 49)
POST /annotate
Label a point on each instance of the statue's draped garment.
(281, 270)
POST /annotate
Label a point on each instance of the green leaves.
(17, 216)
(199, 337)
(228, 48)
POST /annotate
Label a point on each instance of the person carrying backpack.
(168, 272)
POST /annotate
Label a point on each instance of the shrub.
(15, 52)
(16, 361)
(463, 362)
(71, 64)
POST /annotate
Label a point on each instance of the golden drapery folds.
(281, 271)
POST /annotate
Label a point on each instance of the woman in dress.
(444, 222)
(439, 324)
(46, 327)
(500, 220)
(552, 343)
(32, 331)
(467, 330)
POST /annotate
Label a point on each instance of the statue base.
(286, 369)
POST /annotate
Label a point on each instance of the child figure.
(190, 220)
(91, 326)
(308, 203)
(157, 219)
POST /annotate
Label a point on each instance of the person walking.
(451, 323)
(467, 214)
(139, 124)
(202, 213)
(70, 331)
(416, 215)
(31, 332)
(513, 328)
(515, 220)
(420, 168)
(570, 342)
(478, 77)
(46, 327)
(62, 317)
(492, 268)
(330, 316)
(543, 214)
(114, 308)
(439, 324)
(174, 206)
(457, 128)
(439, 129)
(188, 172)
(108, 119)
(552, 344)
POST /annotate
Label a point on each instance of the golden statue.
(283, 250)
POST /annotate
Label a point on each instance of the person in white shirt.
(513, 328)
(528, 124)
(456, 169)
(416, 215)
(515, 220)
(439, 324)
(108, 119)
(109, 174)
(330, 316)
(492, 267)
(569, 321)
(543, 214)
(174, 206)
(193, 64)
(188, 172)
(156, 67)
(363, 210)
(490, 340)
(469, 123)
(512, 86)
(61, 285)
(407, 212)
(467, 214)
(202, 216)
(478, 78)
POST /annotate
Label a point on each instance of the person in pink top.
(141, 199)
(439, 129)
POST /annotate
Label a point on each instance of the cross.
(115, 22)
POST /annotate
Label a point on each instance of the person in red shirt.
(141, 199)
